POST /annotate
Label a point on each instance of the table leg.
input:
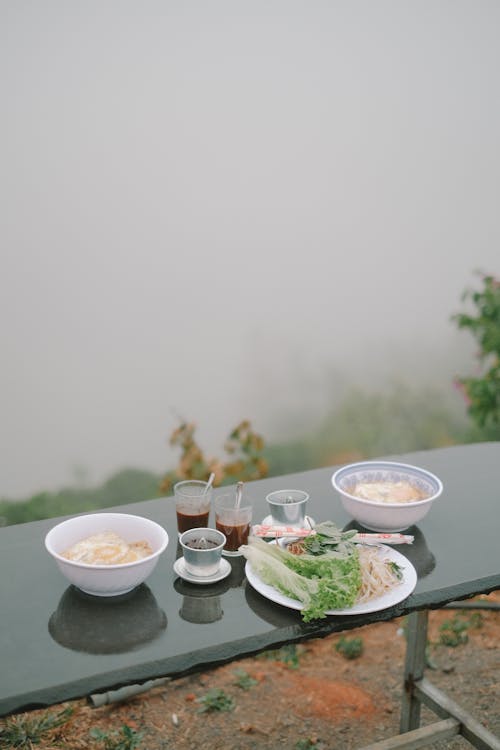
(418, 690)
(414, 670)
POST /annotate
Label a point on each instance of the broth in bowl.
(401, 491)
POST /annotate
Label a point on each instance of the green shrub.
(126, 739)
(216, 700)
(454, 632)
(350, 648)
(482, 392)
(244, 680)
(288, 654)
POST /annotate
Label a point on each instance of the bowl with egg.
(386, 495)
(106, 554)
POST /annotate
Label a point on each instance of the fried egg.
(107, 548)
(387, 492)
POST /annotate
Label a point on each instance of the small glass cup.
(288, 507)
(192, 504)
(233, 521)
(202, 550)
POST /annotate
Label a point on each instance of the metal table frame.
(419, 690)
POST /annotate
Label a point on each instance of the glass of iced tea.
(192, 504)
(233, 520)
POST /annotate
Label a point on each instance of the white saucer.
(268, 521)
(180, 569)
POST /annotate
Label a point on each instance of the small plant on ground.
(216, 700)
(125, 739)
(244, 680)
(349, 648)
(288, 654)
(476, 620)
(308, 743)
(454, 632)
(21, 732)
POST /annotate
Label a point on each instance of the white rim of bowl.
(114, 566)
(389, 465)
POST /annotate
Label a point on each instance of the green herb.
(326, 538)
(396, 569)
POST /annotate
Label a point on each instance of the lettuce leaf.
(320, 583)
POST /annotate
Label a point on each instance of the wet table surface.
(58, 644)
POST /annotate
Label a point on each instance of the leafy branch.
(244, 460)
(483, 392)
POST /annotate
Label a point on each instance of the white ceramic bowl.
(106, 580)
(382, 516)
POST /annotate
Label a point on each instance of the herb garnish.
(327, 538)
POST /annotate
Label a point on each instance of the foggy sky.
(215, 209)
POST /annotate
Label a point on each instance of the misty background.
(233, 209)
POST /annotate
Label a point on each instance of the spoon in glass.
(209, 483)
(239, 492)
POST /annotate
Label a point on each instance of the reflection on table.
(201, 603)
(274, 614)
(106, 625)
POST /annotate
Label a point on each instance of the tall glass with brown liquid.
(234, 521)
(192, 504)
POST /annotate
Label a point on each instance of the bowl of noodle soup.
(106, 554)
(386, 495)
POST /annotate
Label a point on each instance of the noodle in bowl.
(386, 495)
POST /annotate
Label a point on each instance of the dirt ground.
(308, 697)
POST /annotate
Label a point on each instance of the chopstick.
(266, 531)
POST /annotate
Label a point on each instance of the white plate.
(180, 569)
(394, 596)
